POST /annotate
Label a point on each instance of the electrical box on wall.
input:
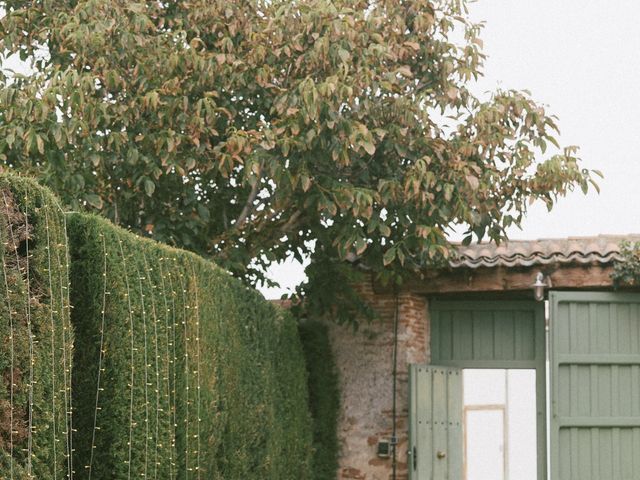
(384, 449)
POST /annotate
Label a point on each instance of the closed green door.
(435, 431)
(595, 386)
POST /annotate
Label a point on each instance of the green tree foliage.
(35, 333)
(324, 398)
(626, 271)
(183, 372)
(254, 130)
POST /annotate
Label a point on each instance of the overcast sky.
(581, 59)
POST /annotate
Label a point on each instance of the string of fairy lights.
(101, 355)
(169, 362)
(11, 345)
(132, 377)
(31, 339)
(185, 315)
(65, 313)
(154, 315)
(53, 346)
(174, 362)
(146, 369)
(197, 371)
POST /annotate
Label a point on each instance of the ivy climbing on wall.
(35, 335)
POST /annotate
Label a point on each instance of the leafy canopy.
(254, 130)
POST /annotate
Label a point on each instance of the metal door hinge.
(414, 455)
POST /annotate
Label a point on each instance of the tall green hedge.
(324, 398)
(35, 334)
(181, 372)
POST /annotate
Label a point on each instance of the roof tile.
(527, 253)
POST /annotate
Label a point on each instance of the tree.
(253, 130)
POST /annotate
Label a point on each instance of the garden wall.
(365, 363)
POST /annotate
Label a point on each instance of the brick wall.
(364, 359)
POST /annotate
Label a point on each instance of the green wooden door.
(595, 386)
(435, 431)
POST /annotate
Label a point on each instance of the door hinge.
(414, 457)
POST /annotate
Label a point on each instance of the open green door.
(435, 432)
(595, 386)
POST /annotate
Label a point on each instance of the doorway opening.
(499, 424)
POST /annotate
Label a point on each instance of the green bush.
(626, 271)
(324, 398)
(180, 369)
(35, 334)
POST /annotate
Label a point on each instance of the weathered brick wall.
(364, 359)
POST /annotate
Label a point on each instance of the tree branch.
(293, 220)
(249, 204)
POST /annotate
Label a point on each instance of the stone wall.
(365, 362)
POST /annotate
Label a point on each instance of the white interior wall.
(500, 424)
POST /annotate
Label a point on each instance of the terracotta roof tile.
(526, 253)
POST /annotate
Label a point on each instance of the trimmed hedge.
(180, 370)
(35, 334)
(324, 398)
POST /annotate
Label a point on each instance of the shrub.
(626, 271)
(35, 334)
(324, 398)
(181, 369)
